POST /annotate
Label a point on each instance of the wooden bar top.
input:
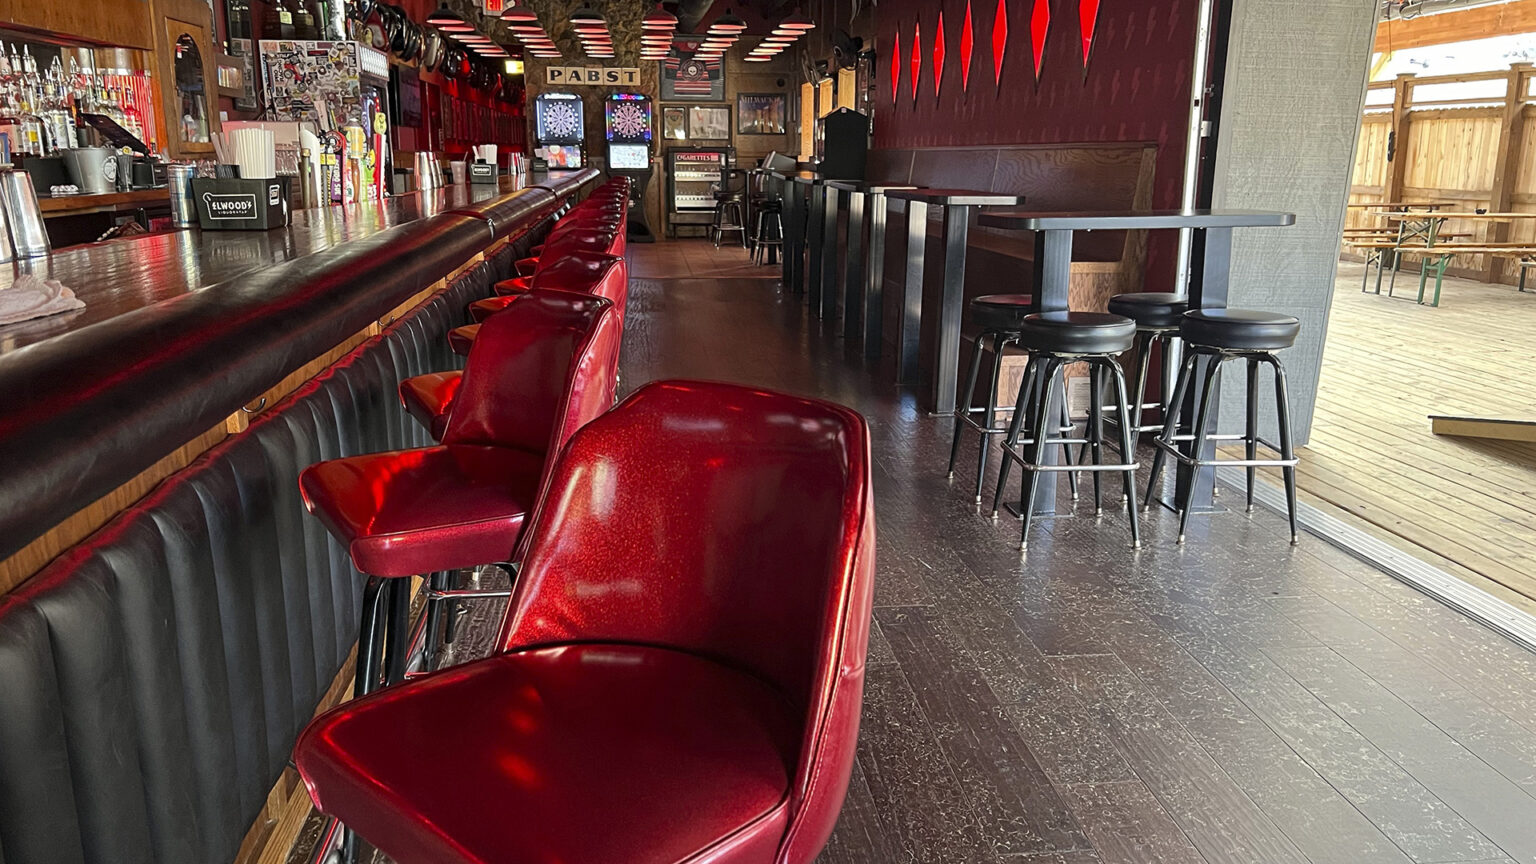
(119, 276)
(181, 330)
(66, 204)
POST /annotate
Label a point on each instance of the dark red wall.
(1136, 87)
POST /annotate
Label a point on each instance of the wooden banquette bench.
(1051, 177)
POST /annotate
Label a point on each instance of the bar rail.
(90, 409)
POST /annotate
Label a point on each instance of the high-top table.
(1208, 288)
(863, 285)
(957, 203)
(800, 223)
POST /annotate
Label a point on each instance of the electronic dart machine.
(628, 118)
(560, 124)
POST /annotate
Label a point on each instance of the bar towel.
(31, 297)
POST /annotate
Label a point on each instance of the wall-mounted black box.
(241, 205)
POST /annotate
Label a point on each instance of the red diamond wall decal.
(895, 67)
(917, 55)
(1039, 26)
(967, 42)
(1088, 18)
(999, 40)
(938, 55)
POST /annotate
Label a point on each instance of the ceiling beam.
(1518, 16)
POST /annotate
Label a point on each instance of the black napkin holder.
(482, 174)
(241, 204)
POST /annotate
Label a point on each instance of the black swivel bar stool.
(1157, 318)
(1000, 317)
(1055, 339)
(1221, 335)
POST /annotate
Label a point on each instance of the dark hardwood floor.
(1231, 700)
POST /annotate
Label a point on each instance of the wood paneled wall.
(1471, 155)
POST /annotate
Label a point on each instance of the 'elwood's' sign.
(592, 76)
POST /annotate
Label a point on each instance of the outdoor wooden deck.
(1466, 505)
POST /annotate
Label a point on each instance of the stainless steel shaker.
(23, 217)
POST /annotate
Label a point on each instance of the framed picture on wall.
(760, 113)
(709, 122)
(674, 123)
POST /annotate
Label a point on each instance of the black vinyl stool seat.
(767, 227)
(1217, 336)
(1000, 317)
(1158, 317)
(1055, 339)
(1240, 329)
(730, 207)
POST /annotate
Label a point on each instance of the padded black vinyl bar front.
(154, 678)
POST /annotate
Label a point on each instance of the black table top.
(1119, 220)
(120, 276)
(956, 197)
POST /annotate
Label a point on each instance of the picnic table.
(1421, 235)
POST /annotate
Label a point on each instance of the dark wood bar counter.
(169, 315)
(160, 585)
(122, 275)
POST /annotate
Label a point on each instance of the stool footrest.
(1184, 459)
(465, 594)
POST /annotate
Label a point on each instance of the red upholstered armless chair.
(429, 398)
(682, 663)
(542, 369)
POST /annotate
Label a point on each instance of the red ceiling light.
(938, 55)
(999, 40)
(443, 15)
(519, 12)
(967, 45)
(658, 19)
(896, 65)
(1039, 28)
(728, 23)
(798, 22)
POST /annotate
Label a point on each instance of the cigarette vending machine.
(628, 120)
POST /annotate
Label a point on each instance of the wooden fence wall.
(1469, 153)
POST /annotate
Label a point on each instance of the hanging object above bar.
(896, 66)
(967, 44)
(999, 40)
(1088, 21)
(938, 55)
(1039, 27)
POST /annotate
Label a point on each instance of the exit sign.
(494, 7)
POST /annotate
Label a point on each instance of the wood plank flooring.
(1468, 506)
(1235, 699)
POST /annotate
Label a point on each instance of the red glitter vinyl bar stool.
(543, 368)
(680, 667)
(609, 241)
(429, 398)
